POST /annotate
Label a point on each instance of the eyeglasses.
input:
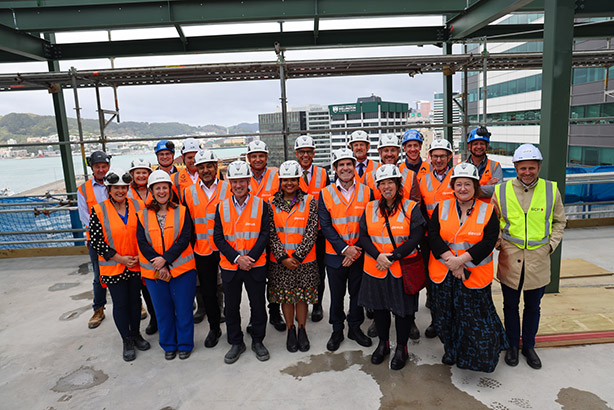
(113, 178)
(305, 152)
(438, 157)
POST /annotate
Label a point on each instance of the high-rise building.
(438, 117)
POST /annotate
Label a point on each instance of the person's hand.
(454, 263)
(164, 274)
(353, 252)
(132, 261)
(459, 273)
(245, 262)
(158, 262)
(347, 261)
(492, 181)
(290, 263)
(382, 262)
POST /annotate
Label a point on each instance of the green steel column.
(556, 83)
(447, 98)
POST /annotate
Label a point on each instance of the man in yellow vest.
(359, 144)
(532, 220)
(313, 180)
(340, 207)
(490, 171)
(183, 178)
(90, 193)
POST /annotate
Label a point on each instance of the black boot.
(381, 351)
(152, 327)
(140, 343)
(200, 313)
(291, 341)
(275, 317)
(317, 314)
(400, 358)
(372, 330)
(303, 341)
(129, 352)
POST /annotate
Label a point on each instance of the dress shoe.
(511, 356)
(414, 333)
(184, 354)
(277, 322)
(370, 314)
(213, 337)
(143, 312)
(399, 359)
(234, 353)
(96, 318)
(448, 359)
(357, 335)
(372, 330)
(303, 341)
(262, 353)
(141, 343)
(129, 353)
(317, 314)
(249, 328)
(291, 340)
(170, 355)
(532, 357)
(430, 332)
(335, 340)
(381, 351)
(152, 327)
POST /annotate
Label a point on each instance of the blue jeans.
(100, 293)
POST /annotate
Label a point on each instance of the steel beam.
(480, 15)
(556, 85)
(447, 98)
(22, 44)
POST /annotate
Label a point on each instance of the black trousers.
(338, 280)
(401, 324)
(126, 296)
(206, 269)
(320, 255)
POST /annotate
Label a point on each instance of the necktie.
(306, 177)
(361, 169)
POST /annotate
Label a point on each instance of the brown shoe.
(96, 318)
(143, 312)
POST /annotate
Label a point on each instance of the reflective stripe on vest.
(433, 191)
(202, 210)
(291, 226)
(266, 188)
(87, 190)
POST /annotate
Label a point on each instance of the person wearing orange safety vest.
(412, 145)
(339, 209)
(241, 233)
(264, 182)
(463, 231)
(89, 194)
(490, 171)
(293, 271)
(113, 236)
(166, 257)
(202, 199)
(392, 216)
(359, 144)
(313, 180)
(183, 178)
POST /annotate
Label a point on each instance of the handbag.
(412, 269)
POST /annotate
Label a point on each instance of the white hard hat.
(343, 153)
(139, 163)
(527, 152)
(387, 171)
(205, 156)
(388, 140)
(441, 143)
(238, 170)
(117, 176)
(304, 141)
(158, 176)
(465, 170)
(190, 145)
(359, 135)
(257, 146)
(290, 169)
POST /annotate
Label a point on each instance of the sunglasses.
(113, 178)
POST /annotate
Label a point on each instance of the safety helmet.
(238, 170)
(165, 145)
(478, 134)
(388, 140)
(257, 146)
(139, 163)
(304, 141)
(290, 169)
(343, 153)
(412, 135)
(441, 143)
(387, 171)
(158, 176)
(359, 135)
(97, 157)
(190, 145)
(117, 176)
(205, 156)
(527, 152)
(465, 170)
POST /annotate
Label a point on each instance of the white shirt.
(347, 193)
(194, 176)
(240, 207)
(209, 191)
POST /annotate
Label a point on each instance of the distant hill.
(19, 126)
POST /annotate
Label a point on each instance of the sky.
(231, 103)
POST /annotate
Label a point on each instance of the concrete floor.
(50, 360)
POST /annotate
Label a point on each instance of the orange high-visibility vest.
(87, 190)
(119, 236)
(433, 191)
(181, 180)
(371, 166)
(407, 182)
(133, 193)
(316, 184)
(425, 168)
(291, 227)
(202, 210)
(268, 186)
(488, 173)
(162, 241)
(345, 215)
(376, 226)
(241, 231)
(460, 238)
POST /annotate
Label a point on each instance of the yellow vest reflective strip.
(242, 235)
(288, 234)
(530, 230)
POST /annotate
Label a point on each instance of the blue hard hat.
(165, 145)
(412, 135)
(479, 134)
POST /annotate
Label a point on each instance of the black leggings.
(127, 305)
(401, 323)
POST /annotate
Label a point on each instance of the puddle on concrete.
(82, 378)
(84, 269)
(62, 286)
(431, 385)
(85, 295)
(75, 313)
(571, 398)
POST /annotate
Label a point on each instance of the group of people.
(280, 232)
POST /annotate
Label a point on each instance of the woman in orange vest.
(462, 233)
(166, 257)
(293, 270)
(113, 237)
(381, 288)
